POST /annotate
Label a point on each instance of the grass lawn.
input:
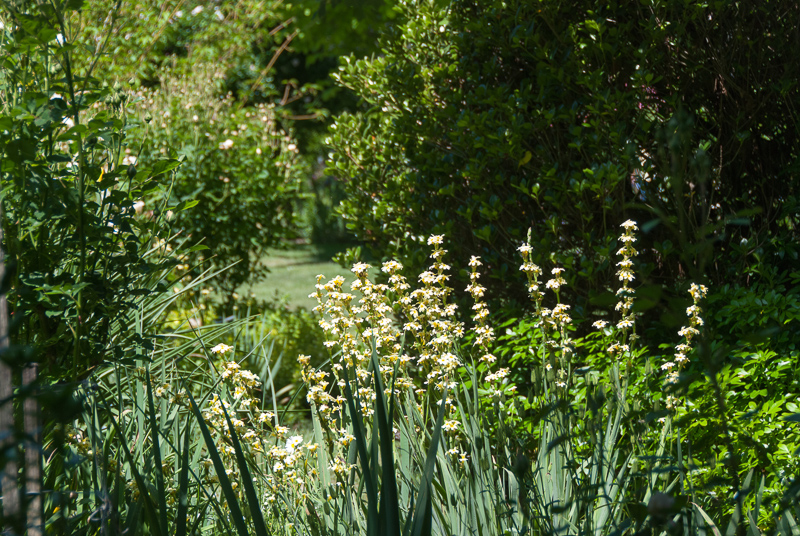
(293, 273)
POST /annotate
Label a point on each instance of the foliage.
(565, 117)
(83, 259)
(294, 333)
(424, 421)
(491, 117)
(87, 270)
(290, 332)
(745, 420)
(401, 442)
(246, 200)
(208, 94)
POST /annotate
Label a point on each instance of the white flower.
(390, 267)
(225, 145)
(292, 443)
(197, 10)
(629, 225)
(524, 249)
(625, 323)
(435, 240)
(688, 332)
(626, 275)
(600, 324)
(450, 426)
(221, 349)
(554, 283)
(360, 268)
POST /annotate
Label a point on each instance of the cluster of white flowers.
(289, 468)
(285, 459)
(625, 292)
(357, 326)
(550, 321)
(417, 356)
(485, 334)
(680, 359)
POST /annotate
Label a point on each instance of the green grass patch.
(293, 273)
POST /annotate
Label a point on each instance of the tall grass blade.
(247, 480)
(149, 507)
(390, 505)
(736, 518)
(219, 468)
(369, 477)
(423, 511)
(707, 519)
(159, 473)
(789, 525)
(183, 485)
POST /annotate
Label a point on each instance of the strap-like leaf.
(423, 511)
(149, 507)
(183, 485)
(219, 468)
(390, 505)
(159, 473)
(370, 479)
(247, 480)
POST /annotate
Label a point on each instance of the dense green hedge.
(490, 117)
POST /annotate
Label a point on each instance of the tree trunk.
(8, 439)
(33, 458)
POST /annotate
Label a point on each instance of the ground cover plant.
(636, 375)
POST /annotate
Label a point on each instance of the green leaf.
(423, 509)
(144, 494)
(247, 480)
(154, 437)
(390, 504)
(219, 468)
(370, 478)
(183, 485)
(184, 205)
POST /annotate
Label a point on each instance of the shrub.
(562, 117)
(204, 77)
(83, 259)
